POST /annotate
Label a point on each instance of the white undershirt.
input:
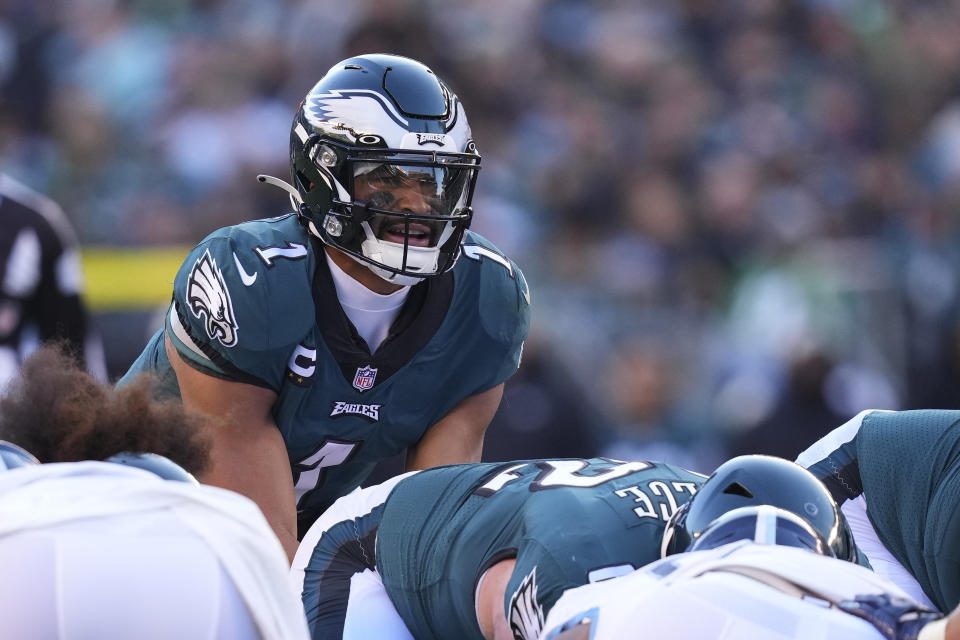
(370, 312)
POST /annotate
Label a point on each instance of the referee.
(40, 282)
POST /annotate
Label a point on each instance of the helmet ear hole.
(737, 489)
(303, 181)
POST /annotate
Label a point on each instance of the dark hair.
(60, 413)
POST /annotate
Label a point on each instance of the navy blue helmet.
(157, 464)
(754, 480)
(14, 456)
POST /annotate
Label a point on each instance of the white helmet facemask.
(419, 259)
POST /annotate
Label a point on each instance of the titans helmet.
(383, 166)
(14, 456)
(762, 524)
(753, 480)
(156, 464)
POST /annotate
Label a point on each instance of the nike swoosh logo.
(245, 277)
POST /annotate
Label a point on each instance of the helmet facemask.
(763, 524)
(400, 212)
(413, 211)
(676, 538)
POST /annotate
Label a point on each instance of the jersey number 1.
(330, 454)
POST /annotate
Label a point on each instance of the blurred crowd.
(739, 218)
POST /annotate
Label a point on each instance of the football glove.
(896, 618)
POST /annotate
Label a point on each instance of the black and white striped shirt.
(40, 282)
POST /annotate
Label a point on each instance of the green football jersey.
(256, 303)
(907, 466)
(567, 523)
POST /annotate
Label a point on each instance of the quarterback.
(366, 323)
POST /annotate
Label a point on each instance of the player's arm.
(489, 604)
(952, 629)
(504, 309)
(248, 454)
(458, 436)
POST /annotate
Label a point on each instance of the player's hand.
(896, 618)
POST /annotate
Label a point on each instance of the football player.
(131, 546)
(715, 582)
(367, 322)
(480, 550)
(755, 573)
(896, 476)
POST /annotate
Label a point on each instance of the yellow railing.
(119, 279)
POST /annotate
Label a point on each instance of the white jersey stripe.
(840, 436)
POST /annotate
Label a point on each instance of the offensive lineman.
(368, 322)
(480, 550)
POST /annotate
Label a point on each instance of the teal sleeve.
(535, 585)
(235, 316)
(504, 305)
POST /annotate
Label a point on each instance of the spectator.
(644, 158)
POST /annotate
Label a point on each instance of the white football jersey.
(117, 552)
(741, 591)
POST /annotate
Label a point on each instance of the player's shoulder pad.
(249, 285)
(502, 292)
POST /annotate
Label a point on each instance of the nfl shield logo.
(364, 378)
